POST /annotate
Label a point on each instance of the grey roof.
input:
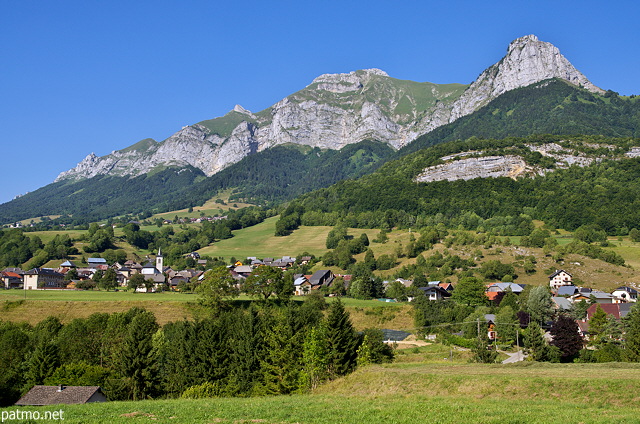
(601, 295)
(567, 290)
(629, 290)
(562, 303)
(245, 269)
(516, 288)
(299, 281)
(54, 395)
(320, 274)
(490, 317)
(43, 271)
(96, 261)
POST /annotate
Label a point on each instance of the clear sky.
(84, 76)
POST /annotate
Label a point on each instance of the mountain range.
(365, 117)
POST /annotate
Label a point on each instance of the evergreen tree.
(534, 342)
(633, 334)
(482, 353)
(342, 340)
(136, 360)
(597, 327)
(280, 365)
(506, 324)
(42, 363)
(539, 304)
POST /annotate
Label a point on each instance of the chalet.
(301, 285)
(321, 278)
(625, 294)
(11, 280)
(243, 270)
(617, 310)
(56, 395)
(43, 278)
(497, 290)
(560, 278)
(490, 319)
(435, 292)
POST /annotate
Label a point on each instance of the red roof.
(609, 308)
(11, 274)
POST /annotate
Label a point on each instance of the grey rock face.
(340, 109)
(528, 61)
(470, 168)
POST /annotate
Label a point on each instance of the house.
(601, 297)
(11, 280)
(625, 294)
(435, 292)
(490, 319)
(55, 395)
(95, 262)
(617, 310)
(323, 277)
(244, 270)
(497, 290)
(560, 278)
(301, 285)
(43, 278)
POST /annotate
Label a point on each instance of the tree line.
(260, 349)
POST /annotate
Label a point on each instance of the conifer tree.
(136, 361)
(534, 342)
(597, 326)
(633, 334)
(342, 340)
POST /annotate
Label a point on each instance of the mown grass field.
(410, 393)
(67, 305)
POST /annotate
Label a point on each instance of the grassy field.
(410, 393)
(70, 304)
(260, 241)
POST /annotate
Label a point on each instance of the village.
(156, 277)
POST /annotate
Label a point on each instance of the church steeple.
(159, 260)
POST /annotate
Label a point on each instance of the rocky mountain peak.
(342, 83)
(528, 61)
(240, 109)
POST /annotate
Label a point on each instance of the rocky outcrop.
(336, 110)
(470, 168)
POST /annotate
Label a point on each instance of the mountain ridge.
(338, 109)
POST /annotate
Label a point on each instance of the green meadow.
(419, 392)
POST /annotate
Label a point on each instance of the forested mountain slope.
(595, 181)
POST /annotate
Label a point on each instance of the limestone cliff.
(336, 110)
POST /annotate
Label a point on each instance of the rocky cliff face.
(336, 110)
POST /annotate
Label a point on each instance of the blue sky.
(80, 76)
